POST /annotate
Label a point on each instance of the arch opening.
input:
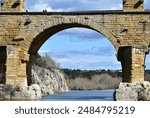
(44, 31)
(80, 39)
(83, 44)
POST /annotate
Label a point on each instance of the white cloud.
(41, 5)
(88, 59)
(43, 51)
(89, 62)
(80, 34)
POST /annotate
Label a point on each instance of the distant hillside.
(95, 79)
(92, 79)
(73, 73)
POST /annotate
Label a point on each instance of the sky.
(80, 48)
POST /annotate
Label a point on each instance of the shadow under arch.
(43, 32)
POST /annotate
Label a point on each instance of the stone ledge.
(78, 12)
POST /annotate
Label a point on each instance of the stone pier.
(132, 59)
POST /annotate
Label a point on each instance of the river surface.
(82, 95)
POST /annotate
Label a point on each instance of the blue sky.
(80, 48)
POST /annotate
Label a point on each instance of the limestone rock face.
(8, 92)
(50, 82)
(133, 92)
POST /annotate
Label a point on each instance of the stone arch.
(46, 30)
(36, 39)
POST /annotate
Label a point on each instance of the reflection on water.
(82, 95)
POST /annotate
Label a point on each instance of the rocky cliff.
(50, 81)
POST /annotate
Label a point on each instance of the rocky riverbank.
(133, 92)
(44, 82)
(8, 92)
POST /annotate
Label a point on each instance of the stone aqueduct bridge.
(23, 33)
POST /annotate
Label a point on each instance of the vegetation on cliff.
(45, 62)
(46, 74)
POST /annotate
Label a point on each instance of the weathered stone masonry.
(22, 34)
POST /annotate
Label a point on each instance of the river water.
(82, 95)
